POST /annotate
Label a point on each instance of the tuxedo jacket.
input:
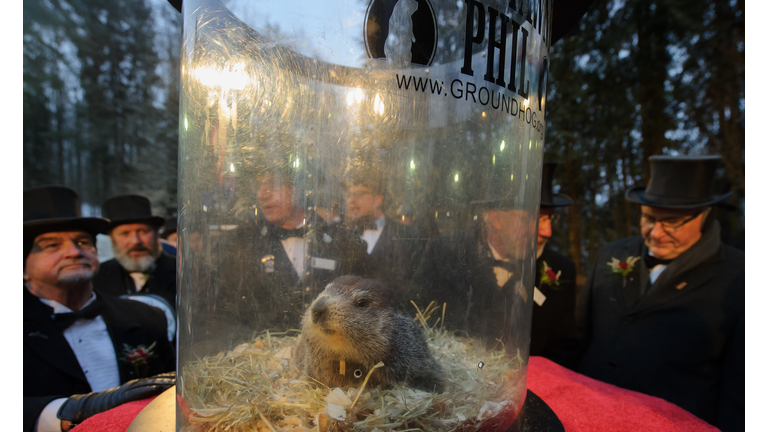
(51, 369)
(113, 279)
(683, 341)
(553, 328)
(396, 254)
(458, 270)
(264, 289)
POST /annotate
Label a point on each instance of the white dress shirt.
(93, 348)
(372, 236)
(502, 274)
(296, 249)
(656, 270)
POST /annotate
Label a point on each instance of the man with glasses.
(663, 313)
(394, 249)
(553, 330)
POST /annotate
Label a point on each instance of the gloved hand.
(79, 407)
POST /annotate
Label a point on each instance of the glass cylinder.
(359, 187)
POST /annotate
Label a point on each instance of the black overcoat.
(457, 270)
(396, 255)
(683, 341)
(113, 279)
(51, 370)
(265, 290)
(553, 328)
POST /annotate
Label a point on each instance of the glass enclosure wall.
(359, 189)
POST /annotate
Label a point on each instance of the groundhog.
(354, 324)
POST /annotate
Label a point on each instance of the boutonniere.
(548, 276)
(137, 357)
(624, 268)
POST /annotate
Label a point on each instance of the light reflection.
(227, 78)
(413, 165)
(355, 95)
(503, 144)
(456, 178)
(231, 167)
(378, 105)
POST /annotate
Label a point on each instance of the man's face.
(669, 243)
(545, 228)
(62, 259)
(275, 199)
(510, 229)
(361, 201)
(135, 246)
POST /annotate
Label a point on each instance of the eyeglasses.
(669, 225)
(553, 218)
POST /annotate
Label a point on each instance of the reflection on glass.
(357, 229)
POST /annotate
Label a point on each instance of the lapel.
(687, 281)
(43, 337)
(382, 244)
(626, 295)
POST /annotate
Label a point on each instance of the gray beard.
(76, 279)
(131, 265)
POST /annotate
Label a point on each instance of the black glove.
(79, 407)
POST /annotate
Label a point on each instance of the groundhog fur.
(357, 320)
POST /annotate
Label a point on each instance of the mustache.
(138, 248)
(84, 262)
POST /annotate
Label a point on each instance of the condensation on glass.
(359, 185)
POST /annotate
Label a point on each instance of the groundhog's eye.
(361, 303)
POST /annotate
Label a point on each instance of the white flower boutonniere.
(624, 268)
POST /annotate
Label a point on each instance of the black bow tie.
(364, 223)
(509, 266)
(64, 320)
(651, 261)
(283, 233)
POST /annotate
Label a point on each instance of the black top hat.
(127, 209)
(549, 199)
(56, 208)
(679, 182)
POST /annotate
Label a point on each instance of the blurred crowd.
(661, 313)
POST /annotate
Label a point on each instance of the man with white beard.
(140, 265)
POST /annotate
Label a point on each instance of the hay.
(255, 387)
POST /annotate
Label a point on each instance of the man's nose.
(71, 249)
(657, 231)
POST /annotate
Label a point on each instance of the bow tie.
(651, 261)
(64, 320)
(364, 223)
(283, 233)
(510, 267)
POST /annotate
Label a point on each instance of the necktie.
(364, 223)
(283, 233)
(651, 261)
(64, 320)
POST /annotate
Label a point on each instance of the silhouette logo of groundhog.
(353, 325)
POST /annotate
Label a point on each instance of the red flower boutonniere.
(624, 268)
(548, 276)
(138, 356)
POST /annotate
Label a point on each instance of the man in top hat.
(663, 313)
(553, 329)
(169, 234)
(280, 263)
(394, 249)
(140, 265)
(478, 275)
(80, 348)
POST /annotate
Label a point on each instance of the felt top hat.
(549, 199)
(127, 209)
(679, 182)
(56, 208)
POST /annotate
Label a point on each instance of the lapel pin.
(681, 285)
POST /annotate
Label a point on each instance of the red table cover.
(582, 404)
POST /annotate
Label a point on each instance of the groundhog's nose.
(319, 309)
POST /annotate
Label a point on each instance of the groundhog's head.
(352, 316)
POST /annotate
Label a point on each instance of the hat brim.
(156, 221)
(558, 200)
(91, 225)
(637, 196)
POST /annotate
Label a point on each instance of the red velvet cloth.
(582, 404)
